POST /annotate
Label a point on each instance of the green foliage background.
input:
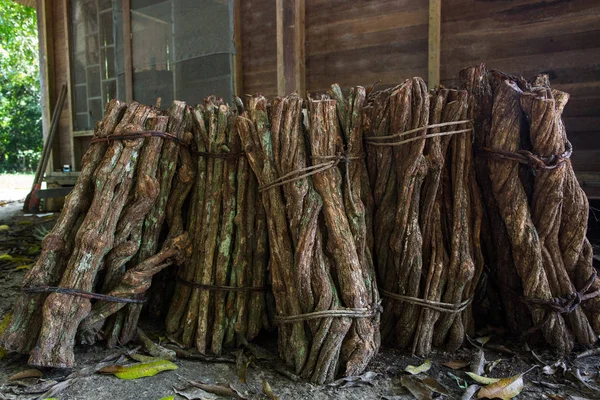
(20, 112)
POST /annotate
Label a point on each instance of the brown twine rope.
(221, 287)
(308, 171)
(226, 156)
(340, 312)
(556, 305)
(381, 140)
(434, 305)
(139, 135)
(80, 293)
(528, 158)
(566, 304)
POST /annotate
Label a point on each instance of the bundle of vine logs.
(362, 217)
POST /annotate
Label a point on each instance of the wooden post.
(435, 12)
(291, 73)
(237, 41)
(45, 33)
(69, 77)
(127, 51)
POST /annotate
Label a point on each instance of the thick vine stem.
(22, 330)
(513, 207)
(63, 313)
(179, 119)
(134, 283)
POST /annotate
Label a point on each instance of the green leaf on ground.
(141, 370)
(411, 369)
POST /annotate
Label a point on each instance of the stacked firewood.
(535, 244)
(126, 172)
(220, 295)
(314, 204)
(321, 269)
(427, 213)
(128, 218)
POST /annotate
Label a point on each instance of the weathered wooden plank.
(363, 26)
(63, 153)
(501, 47)
(69, 79)
(433, 54)
(321, 12)
(318, 45)
(290, 46)
(259, 57)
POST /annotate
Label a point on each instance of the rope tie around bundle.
(80, 293)
(434, 305)
(528, 158)
(366, 312)
(139, 135)
(311, 170)
(222, 288)
(381, 140)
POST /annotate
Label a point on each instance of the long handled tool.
(32, 202)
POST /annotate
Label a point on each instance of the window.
(93, 60)
(181, 49)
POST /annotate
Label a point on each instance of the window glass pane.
(80, 98)
(92, 50)
(107, 62)
(93, 81)
(93, 62)
(204, 76)
(181, 49)
(96, 110)
(106, 29)
(109, 90)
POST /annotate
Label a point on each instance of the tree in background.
(20, 111)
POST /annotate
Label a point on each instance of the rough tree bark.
(22, 330)
(62, 313)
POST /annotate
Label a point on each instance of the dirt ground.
(548, 376)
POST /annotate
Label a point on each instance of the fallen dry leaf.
(482, 379)
(154, 349)
(350, 381)
(268, 390)
(416, 387)
(478, 362)
(483, 340)
(241, 364)
(221, 389)
(457, 364)
(411, 369)
(28, 373)
(504, 389)
(4, 228)
(142, 358)
(433, 384)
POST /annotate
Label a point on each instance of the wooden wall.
(527, 37)
(259, 47)
(361, 42)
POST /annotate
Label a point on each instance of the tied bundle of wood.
(220, 296)
(428, 214)
(322, 277)
(84, 257)
(547, 282)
